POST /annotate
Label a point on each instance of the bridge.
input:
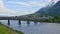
(35, 19)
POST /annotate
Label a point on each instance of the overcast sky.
(21, 7)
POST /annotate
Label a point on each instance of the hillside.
(52, 11)
(47, 11)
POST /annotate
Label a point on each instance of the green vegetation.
(56, 19)
(4, 30)
(7, 30)
(19, 32)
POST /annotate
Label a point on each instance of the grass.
(6, 30)
(19, 32)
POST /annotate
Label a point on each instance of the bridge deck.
(35, 19)
(22, 18)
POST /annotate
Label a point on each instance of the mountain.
(47, 11)
(50, 11)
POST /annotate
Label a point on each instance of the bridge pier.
(28, 22)
(8, 22)
(35, 22)
(19, 22)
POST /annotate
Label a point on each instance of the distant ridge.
(47, 11)
(51, 11)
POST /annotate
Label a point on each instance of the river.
(39, 28)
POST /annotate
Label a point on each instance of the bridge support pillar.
(19, 22)
(8, 22)
(35, 22)
(28, 22)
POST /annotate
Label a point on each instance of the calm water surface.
(39, 28)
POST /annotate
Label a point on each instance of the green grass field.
(5, 30)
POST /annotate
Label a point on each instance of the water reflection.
(35, 22)
(34, 28)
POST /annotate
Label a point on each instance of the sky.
(21, 7)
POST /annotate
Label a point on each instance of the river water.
(39, 28)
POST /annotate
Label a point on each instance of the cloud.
(56, 1)
(4, 10)
(29, 3)
(51, 1)
(7, 12)
(34, 3)
(20, 3)
(40, 4)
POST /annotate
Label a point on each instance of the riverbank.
(6, 30)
